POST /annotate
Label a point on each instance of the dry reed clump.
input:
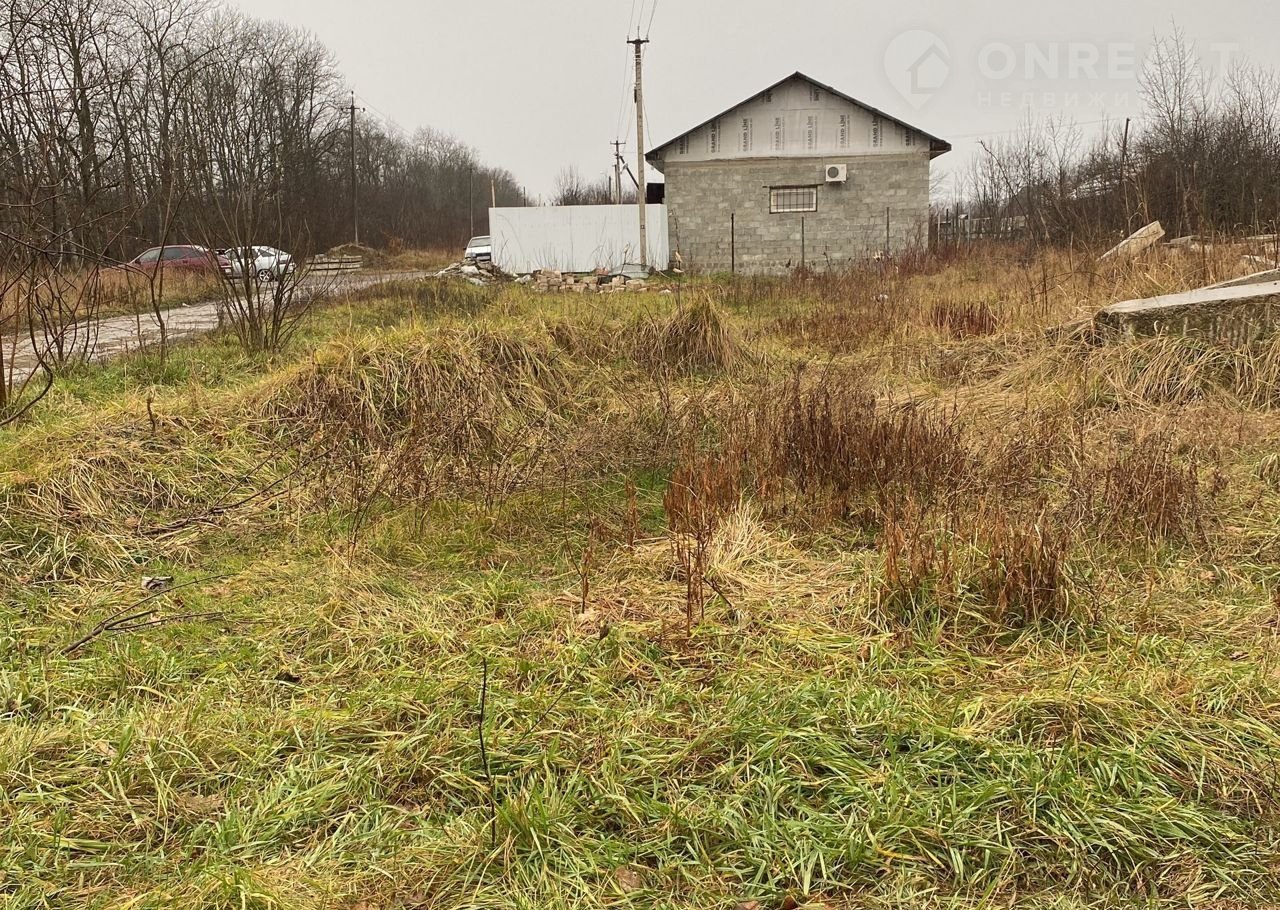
(1031, 450)
(702, 491)
(696, 338)
(1149, 492)
(981, 562)
(1169, 270)
(822, 447)
(1024, 579)
(964, 319)
(832, 436)
(412, 416)
(919, 558)
(595, 342)
(847, 325)
(1268, 470)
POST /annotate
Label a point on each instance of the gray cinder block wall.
(849, 225)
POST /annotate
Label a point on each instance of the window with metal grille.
(785, 200)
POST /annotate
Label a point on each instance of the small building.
(799, 174)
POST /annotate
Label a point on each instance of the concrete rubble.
(1139, 241)
(552, 281)
(1264, 277)
(1234, 315)
(479, 273)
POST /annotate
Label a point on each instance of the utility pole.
(642, 193)
(617, 172)
(355, 193)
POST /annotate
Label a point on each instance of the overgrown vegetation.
(864, 590)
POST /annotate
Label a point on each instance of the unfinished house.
(799, 174)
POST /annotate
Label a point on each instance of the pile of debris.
(479, 272)
(1237, 311)
(551, 281)
(1259, 252)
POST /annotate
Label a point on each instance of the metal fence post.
(733, 243)
(803, 264)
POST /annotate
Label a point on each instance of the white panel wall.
(576, 238)
(797, 119)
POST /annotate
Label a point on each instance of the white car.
(479, 249)
(265, 262)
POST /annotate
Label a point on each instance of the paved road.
(120, 334)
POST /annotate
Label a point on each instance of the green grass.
(302, 729)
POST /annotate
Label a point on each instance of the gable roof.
(936, 146)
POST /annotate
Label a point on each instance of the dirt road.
(117, 335)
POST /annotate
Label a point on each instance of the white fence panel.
(576, 238)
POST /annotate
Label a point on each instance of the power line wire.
(386, 118)
(652, 12)
(626, 83)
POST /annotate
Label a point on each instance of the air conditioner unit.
(837, 173)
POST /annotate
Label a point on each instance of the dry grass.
(394, 257)
(783, 593)
(110, 292)
(695, 337)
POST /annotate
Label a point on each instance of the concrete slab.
(1266, 277)
(1238, 315)
(1139, 241)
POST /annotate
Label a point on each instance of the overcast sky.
(535, 86)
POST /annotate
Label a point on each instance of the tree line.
(1203, 159)
(131, 123)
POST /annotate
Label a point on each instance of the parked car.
(265, 262)
(180, 257)
(480, 249)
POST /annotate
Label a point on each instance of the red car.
(185, 258)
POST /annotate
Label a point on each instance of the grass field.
(874, 590)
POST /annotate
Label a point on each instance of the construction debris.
(1236, 315)
(552, 281)
(480, 273)
(1264, 277)
(1139, 241)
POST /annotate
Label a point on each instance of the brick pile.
(548, 281)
